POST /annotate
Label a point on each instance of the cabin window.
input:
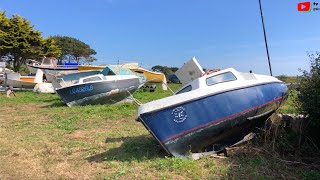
(186, 89)
(220, 78)
(95, 78)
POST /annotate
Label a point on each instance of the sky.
(220, 34)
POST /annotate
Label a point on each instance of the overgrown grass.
(290, 106)
(41, 138)
(289, 79)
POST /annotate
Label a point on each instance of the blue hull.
(216, 119)
(102, 92)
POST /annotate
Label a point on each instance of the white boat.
(216, 109)
(50, 66)
(16, 80)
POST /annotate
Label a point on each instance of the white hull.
(20, 84)
(44, 88)
(51, 74)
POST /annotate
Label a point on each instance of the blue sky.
(220, 34)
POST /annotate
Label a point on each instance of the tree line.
(20, 40)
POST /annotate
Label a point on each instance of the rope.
(134, 99)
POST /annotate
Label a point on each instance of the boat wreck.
(110, 86)
(16, 80)
(50, 66)
(216, 109)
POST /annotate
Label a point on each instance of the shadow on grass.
(51, 100)
(137, 148)
(56, 104)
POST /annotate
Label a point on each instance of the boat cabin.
(224, 76)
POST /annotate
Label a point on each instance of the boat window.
(186, 89)
(95, 78)
(220, 78)
(139, 72)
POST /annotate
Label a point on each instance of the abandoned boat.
(216, 109)
(153, 77)
(110, 86)
(16, 80)
(51, 66)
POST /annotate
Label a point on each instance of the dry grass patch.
(41, 138)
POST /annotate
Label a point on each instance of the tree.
(18, 38)
(50, 49)
(164, 69)
(4, 35)
(74, 48)
(309, 97)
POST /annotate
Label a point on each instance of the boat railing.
(55, 66)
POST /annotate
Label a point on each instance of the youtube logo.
(304, 7)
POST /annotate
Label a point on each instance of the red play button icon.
(304, 6)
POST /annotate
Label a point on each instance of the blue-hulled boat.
(110, 86)
(217, 109)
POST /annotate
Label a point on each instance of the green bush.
(24, 70)
(309, 98)
(8, 66)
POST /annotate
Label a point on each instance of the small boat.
(216, 109)
(153, 77)
(50, 66)
(16, 80)
(110, 86)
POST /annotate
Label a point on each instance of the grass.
(290, 106)
(41, 138)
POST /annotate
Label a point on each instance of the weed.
(311, 175)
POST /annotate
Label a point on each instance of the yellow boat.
(91, 67)
(154, 77)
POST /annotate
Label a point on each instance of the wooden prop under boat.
(217, 109)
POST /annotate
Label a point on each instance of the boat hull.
(90, 67)
(153, 77)
(220, 119)
(102, 92)
(20, 83)
(53, 70)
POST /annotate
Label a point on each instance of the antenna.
(265, 37)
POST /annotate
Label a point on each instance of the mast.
(265, 37)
